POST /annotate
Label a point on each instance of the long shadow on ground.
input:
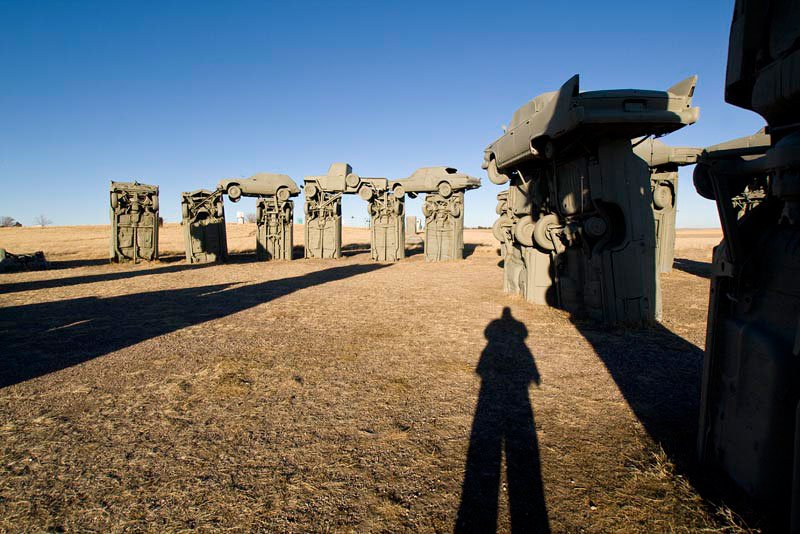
(504, 422)
(37, 339)
(659, 374)
(697, 268)
(92, 278)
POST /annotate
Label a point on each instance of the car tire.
(497, 228)
(114, 200)
(155, 203)
(283, 194)
(702, 181)
(524, 230)
(540, 231)
(184, 211)
(352, 180)
(366, 193)
(310, 190)
(495, 176)
(234, 193)
(662, 196)
(445, 189)
(399, 191)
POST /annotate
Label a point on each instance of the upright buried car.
(750, 405)
(260, 185)
(577, 222)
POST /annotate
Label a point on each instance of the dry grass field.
(338, 396)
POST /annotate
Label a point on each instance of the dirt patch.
(329, 395)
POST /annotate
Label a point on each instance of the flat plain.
(338, 395)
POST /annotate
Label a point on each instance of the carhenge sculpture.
(663, 162)
(134, 222)
(323, 210)
(387, 226)
(749, 427)
(443, 208)
(577, 224)
(203, 220)
(274, 211)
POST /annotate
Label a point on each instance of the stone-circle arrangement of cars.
(587, 223)
(134, 215)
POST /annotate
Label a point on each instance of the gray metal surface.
(134, 222)
(750, 404)
(387, 228)
(443, 208)
(577, 224)
(274, 234)
(444, 226)
(203, 220)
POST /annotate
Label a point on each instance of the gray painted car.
(260, 185)
(552, 121)
(441, 180)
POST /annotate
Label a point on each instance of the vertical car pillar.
(444, 226)
(203, 220)
(748, 431)
(134, 222)
(274, 235)
(323, 229)
(387, 228)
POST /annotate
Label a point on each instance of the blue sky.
(182, 94)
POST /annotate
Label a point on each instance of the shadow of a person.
(503, 419)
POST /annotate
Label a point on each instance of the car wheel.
(540, 231)
(310, 190)
(184, 211)
(234, 193)
(662, 196)
(399, 191)
(497, 229)
(495, 176)
(445, 189)
(352, 180)
(702, 181)
(114, 200)
(524, 230)
(366, 193)
(155, 203)
(283, 194)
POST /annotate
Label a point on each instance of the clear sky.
(182, 94)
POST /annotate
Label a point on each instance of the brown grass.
(323, 395)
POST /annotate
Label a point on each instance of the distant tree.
(6, 221)
(43, 221)
(251, 218)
